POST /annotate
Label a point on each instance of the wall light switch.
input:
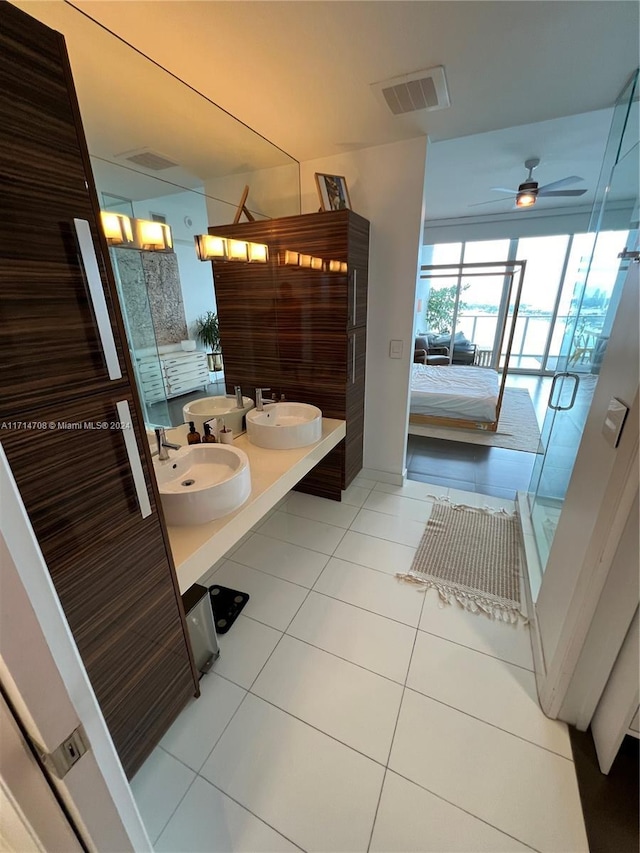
(614, 421)
(395, 349)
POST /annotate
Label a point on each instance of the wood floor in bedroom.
(470, 467)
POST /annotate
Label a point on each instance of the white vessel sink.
(201, 482)
(283, 426)
(203, 408)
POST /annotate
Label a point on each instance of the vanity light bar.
(291, 258)
(152, 236)
(258, 253)
(237, 250)
(299, 259)
(117, 228)
(130, 233)
(209, 247)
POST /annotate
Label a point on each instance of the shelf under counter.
(273, 473)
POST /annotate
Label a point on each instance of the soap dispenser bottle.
(208, 437)
(193, 436)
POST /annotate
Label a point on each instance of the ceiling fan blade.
(560, 192)
(563, 182)
(493, 201)
(504, 190)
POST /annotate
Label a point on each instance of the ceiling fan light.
(525, 199)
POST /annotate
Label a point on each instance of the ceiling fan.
(529, 190)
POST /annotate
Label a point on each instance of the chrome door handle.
(355, 295)
(131, 445)
(96, 291)
(557, 408)
(353, 359)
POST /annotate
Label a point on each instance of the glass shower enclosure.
(590, 316)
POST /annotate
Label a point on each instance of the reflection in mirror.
(162, 152)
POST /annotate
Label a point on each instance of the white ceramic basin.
(283, 426)
(203, 408)
(201, 482)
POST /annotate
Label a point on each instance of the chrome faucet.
(163, 445)
(239, 400)
(259, 401)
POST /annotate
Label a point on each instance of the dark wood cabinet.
(90, 497)
(301, 330)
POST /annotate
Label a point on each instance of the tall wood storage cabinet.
(67, 384)
(297, 324)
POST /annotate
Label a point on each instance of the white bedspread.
(454, 392)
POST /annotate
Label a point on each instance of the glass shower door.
(590, 319)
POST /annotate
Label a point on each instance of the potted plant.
(208, 333)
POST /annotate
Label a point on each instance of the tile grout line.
(359, 607)
(198, 775)
(285, 632)
(257, 817)
(487, 723)
(177, 806)
(462, 809)
(317, 729)
(473, 649)
(395, 729)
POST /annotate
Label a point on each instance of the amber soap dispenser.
(193, 436)
(208, 437)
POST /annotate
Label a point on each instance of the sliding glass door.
(548, 333)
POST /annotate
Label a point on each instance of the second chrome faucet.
(259, 400)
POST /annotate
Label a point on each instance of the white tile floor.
(350, 712)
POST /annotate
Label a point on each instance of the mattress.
(454, 392)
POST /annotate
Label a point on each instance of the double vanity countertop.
(273, 473)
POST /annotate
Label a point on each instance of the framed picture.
(333, 192)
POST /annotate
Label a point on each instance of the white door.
(599, 500)
(48, 689)
(32, 818)
(619, 702)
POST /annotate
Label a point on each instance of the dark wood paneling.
(293, 330)
(111, 568)
(327, 478)
(45, 311)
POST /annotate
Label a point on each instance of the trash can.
(202, 630)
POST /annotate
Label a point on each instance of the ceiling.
(525, 79)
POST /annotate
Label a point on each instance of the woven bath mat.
(471, 556)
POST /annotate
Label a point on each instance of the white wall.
(272, 193)
(386, 187)
(196, 278)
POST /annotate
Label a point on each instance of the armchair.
(464, 351)
(423, 353)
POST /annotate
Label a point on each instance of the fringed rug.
(471, 556)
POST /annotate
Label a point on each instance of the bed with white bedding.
(453, 393)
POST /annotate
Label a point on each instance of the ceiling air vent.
(422, 90)
(148, 159)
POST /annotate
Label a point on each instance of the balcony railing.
(531, 337)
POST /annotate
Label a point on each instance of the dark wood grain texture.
(112, 569)
(299, 331)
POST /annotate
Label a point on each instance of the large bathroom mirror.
(161, 151)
